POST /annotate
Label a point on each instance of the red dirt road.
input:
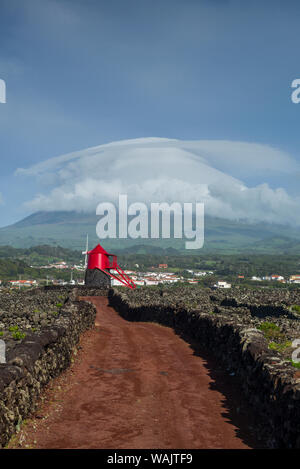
(137, 385)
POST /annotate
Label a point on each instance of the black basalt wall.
(97, 278)
(44, 352)
(271, 385)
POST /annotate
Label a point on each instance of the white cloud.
(155, 169)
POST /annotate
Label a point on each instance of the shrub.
(295, 364)
(271, 331)
(18, 335)
(280, 347)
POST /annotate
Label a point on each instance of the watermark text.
(2, 351)
(296, 353)
(160, 220)
(2, 91)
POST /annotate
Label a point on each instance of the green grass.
(280, 347)
(18, 335)
(295, 364)
(271, 331)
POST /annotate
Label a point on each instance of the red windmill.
(100, 259)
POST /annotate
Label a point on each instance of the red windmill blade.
(100, 259)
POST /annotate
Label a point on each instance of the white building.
(151, 281)
(277, 277)
(23, 283)
(221, 284)
(295, 279)
(116, 283)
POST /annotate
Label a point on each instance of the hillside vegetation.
(69, 229)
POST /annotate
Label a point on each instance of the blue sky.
(84, 73)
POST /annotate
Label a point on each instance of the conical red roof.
(98, 250)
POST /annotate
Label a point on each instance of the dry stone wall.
(41, 329)
(268, 380)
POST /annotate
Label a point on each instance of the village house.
(295, 278)
(277, 277)
(221, 284)
(23, 283)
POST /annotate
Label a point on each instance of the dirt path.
(137, 385)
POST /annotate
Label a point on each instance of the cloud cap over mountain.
(169, 170)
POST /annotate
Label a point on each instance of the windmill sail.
(86, 251)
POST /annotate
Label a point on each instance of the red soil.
(138, 385)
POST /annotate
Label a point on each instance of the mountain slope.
(69, 230)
